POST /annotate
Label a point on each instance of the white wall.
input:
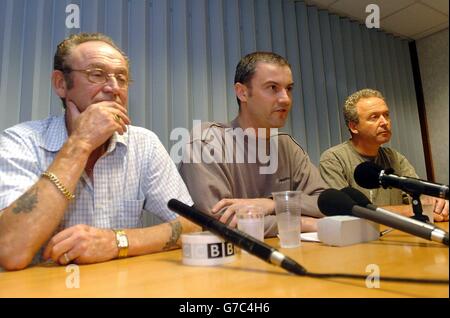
(433, 62)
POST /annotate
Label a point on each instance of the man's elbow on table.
(11, 260)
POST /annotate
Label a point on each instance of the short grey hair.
(350, 111)
(64, 49)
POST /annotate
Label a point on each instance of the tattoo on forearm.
(26, 202)
(176, 232)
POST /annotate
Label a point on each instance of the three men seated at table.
(73, 188)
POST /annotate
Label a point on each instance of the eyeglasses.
(100, 76)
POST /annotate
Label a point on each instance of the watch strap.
(122, 243)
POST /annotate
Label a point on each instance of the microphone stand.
(416, 204)
(417, 208)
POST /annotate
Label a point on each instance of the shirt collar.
(235, 123)
(55, 135)
(118, 139)
(366, 158)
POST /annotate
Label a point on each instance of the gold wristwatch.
(122, 243)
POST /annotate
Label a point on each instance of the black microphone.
(361, 200)
(359, 197)
(334, 202)
(371, 176)
(239, 238)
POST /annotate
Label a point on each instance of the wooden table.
(163, 274)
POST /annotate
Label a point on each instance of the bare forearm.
(30, 220)
(158, 238)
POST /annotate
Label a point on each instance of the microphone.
(371, 176)
(362, 200)
(239, 238)
(359, 197)
(268, 253)
(334, 202)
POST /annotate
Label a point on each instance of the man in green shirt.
(367, 118)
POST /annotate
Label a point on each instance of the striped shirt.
(135, 176)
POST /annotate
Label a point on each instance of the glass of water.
(288, 213)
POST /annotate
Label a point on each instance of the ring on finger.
(66, 257)
(116, 118)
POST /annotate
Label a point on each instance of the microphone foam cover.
(334, 202)
(356, 196)
(367, 175)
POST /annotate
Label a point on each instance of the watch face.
(123, 241)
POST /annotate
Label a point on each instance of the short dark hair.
(246, 67)
(64, 49)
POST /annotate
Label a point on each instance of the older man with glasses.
(73, 188)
